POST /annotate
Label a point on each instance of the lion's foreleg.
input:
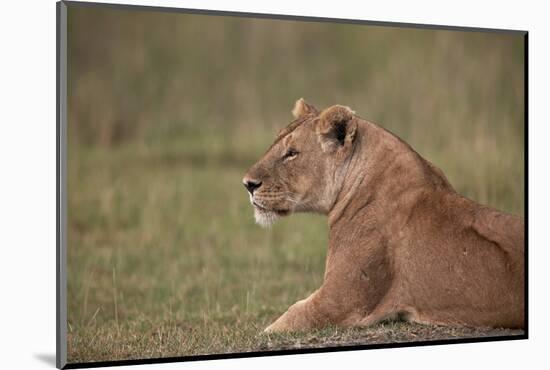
(295, 318)
(316, 311)
(300, 316)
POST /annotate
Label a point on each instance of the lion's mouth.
(265, 216)
(255, 204)
(279, 212)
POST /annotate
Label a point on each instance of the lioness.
(402, 242)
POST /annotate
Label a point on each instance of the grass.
(164, 258)
(152, 257)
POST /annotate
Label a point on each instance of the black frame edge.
(526, 174)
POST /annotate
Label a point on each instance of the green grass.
(173, 248)
(164, 258)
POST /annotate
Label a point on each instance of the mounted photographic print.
(234, 184)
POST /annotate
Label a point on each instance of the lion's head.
(303, 169)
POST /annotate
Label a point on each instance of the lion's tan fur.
(402, 242)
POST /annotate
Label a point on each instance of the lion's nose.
(251, 185)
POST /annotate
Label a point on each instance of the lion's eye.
(291, 153)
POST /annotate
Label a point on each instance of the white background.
(27, 182)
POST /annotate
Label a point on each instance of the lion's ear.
(301, 108)
(336, 128)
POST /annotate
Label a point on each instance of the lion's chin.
(266, 218)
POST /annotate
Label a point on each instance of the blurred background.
(166, 113)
